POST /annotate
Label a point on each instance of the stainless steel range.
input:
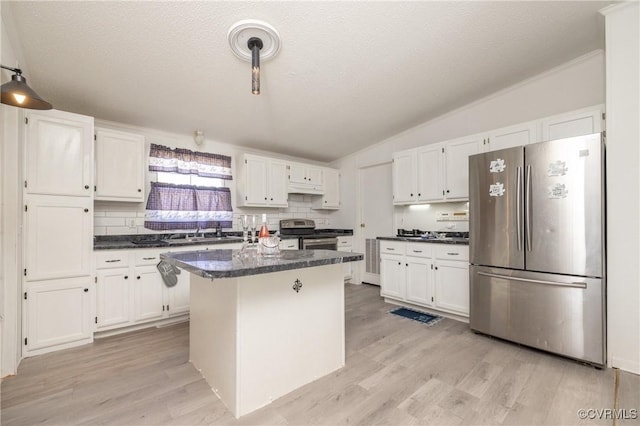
(308, 236)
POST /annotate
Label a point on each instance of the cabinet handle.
(126, 277)
(148, 258)
(389, 248)
(417, 251)
(139, 190)
(419, 194)
(406, 264)
(86, 290)
(86, 187)
(411, 194)
(138, 277)
(272, 199)
(399, 263)
(265, 198)
(162, 308)
(325, 201)
(86, 210)
(447, 191)
(112, 261)
(453, 254)
(167, 307)
(435, 267)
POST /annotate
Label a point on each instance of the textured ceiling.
(349, 74)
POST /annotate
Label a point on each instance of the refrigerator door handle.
(543, 282)
(519, 207)
(527, 211)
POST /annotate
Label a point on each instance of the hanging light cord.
(255, 44)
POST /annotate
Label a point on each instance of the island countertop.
(232, 263)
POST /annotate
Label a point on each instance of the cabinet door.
(508, 137)
(255, 180)
(148, 298)
(113, 295)
(297, 173)
(314, 176)
(419, 280)
(575, 123)
(57, 312)
(331, 197)
(120, 166)
(179, 295)
(430, 173)
(277, 184)
(59, 237)
(457, 166)
(392, 276)
(405, 176)
(452, 286)
(59, 153)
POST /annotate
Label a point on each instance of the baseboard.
(158, 324)
(632, 366)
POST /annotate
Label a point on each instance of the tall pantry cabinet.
(58, 229)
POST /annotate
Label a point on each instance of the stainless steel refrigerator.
(537, 273)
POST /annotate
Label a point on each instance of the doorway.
(376, 216)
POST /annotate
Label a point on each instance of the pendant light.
(18, 93)
(253, 41)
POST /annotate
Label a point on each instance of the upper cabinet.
(263, 182)
(120, 166)
(508, 137)
(437, 172)
(330, 199)
(305, 179)
(59, 153)
(576, 123)
(440, 172)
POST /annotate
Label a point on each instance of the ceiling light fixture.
(18, 93)
(252, 40)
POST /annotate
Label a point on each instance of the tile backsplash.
(425, 217)
(116, 218)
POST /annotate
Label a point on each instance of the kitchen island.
(262, 326)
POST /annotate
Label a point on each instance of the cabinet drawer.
(288, 245)
(452, 252)
(392, 247)
(147, 258)
(345, 242)
(112, 259)
(419, 250)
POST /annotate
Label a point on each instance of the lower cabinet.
(113, 297)
(426, 274)
(148, 294)
(57, 314)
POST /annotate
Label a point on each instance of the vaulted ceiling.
(348, 75)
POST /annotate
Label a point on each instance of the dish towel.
(168, 272)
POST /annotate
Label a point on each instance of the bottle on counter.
(264, 231)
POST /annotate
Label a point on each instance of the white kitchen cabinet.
(451, 271)
(330, 199)
(305, 179)
(58, 153)
(58, 235)
(575, 123)
(430, 172)
(430, 275)
(288, 244)
(404, 170)
(263, 182)
(508, 137)
(57, 315)
(457, 152)
(113, 298)
(120, 166)
(345, 243)
(148, 290)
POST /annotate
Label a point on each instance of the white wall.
(623, 186)
(112, 218)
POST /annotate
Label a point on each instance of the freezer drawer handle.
(544, 282)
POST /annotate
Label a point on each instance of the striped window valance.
(173, 207)
(185, 161)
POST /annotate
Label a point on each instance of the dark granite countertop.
(231, 263)
(123, 242)
(448, 240)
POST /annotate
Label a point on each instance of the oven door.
(319, 243)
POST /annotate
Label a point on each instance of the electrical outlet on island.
(131, 222)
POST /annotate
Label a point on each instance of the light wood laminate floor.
(398, 372)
